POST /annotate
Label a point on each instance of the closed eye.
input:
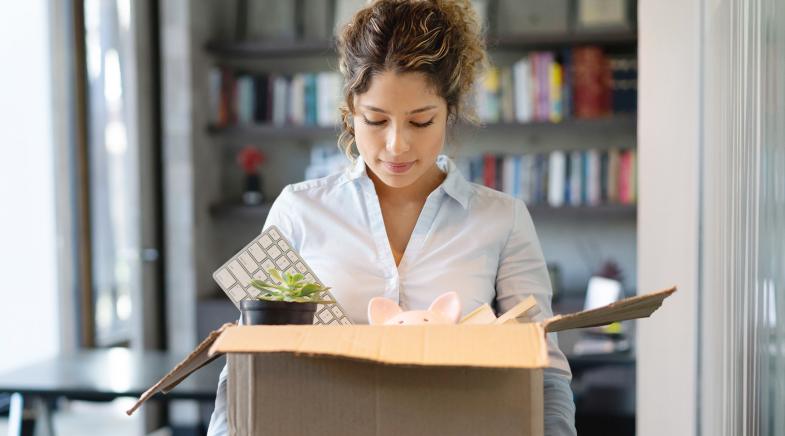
(422, 125)
(373, 123)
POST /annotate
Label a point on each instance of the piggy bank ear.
(449, 305)
(381, 309)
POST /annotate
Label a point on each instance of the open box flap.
(197, 359)
(493, 346)
(640, 306)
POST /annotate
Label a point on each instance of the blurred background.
(144, 141)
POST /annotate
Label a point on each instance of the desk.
(99, 375)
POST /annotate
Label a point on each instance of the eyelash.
(379, 123)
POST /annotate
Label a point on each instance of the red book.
(591, 82)
(489, 171)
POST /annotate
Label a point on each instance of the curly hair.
(440, 38)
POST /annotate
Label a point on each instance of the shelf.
(615, 123)
(270, 49)
(597, 212)
(272, 131)
(240, 210)
(326, 47)
(561, 40)
(627, 211)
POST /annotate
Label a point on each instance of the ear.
(449, 305)
(381, 309)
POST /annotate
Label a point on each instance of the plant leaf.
(275, 274)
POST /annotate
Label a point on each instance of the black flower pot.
(263, 312)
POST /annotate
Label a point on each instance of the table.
(98, 375)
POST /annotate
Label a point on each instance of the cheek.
(367, 140)
(434, 140)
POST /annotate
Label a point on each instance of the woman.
(402, 222)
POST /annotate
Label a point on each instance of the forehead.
(399, 92)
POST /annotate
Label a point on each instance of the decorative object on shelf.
(315, 19)
(344, 10)
(269, 19)
(532, 17)
(605, 288)
(249, 159)
(603, 15)
(554, 272)
(445, 309)
(288, 299)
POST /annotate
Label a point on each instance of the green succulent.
(292, 288)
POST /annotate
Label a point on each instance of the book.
(489, 171)
(593, 177)
(625, 173)
(555, 75)
(556, 178)
(591, 84)
(576, 178)
(245, 99)
(521, 72)
(328, 94)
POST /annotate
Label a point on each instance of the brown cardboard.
(423, 345)
(641, 306)
(281, 394)
(464, 379)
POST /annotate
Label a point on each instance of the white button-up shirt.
(470, 239)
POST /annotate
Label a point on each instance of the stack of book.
(546, 86)
(299, 99)
(559, 178)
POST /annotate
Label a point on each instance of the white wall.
(669, 126)
(28, 268)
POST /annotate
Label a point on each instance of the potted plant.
(293, 301)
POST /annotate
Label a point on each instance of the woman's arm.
(523, 272)
(278, 217)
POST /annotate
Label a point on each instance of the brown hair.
(440, 38)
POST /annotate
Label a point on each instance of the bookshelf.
(325, 47)
(605, 211)
(608, 227)
(614, 123)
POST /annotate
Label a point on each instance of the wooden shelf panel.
(239, 210)
(562, 40)
(270, 49)
(272, 131)
(326, 47)
(614, 123)
(627, 211)
(589, 212)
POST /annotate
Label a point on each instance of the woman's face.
(399, 127)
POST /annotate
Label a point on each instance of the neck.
(417, 191)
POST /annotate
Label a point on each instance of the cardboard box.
(474, 378)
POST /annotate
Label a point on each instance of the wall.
(668, 213)
(28, 241)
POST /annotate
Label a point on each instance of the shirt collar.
(454, 185)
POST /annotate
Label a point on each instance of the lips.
(397, 167)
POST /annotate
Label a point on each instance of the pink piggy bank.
(446, 309)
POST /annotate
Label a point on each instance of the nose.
(396, 142)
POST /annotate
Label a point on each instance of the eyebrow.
(416, 111)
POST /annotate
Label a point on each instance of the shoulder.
(313, 194)
(486, 198)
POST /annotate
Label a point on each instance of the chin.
(397, 181)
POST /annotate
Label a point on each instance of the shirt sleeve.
(523, 272)
(279, 216)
